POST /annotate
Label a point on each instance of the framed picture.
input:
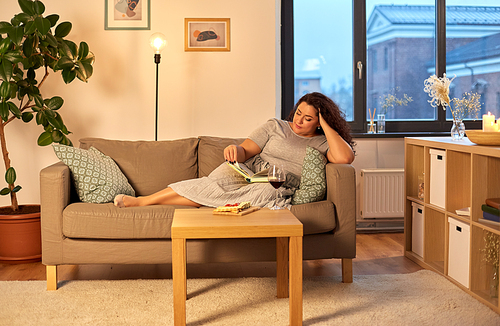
(207, 34)
(127, 14)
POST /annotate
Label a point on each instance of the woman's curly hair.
(330, 112)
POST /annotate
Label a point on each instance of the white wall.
(205, 93)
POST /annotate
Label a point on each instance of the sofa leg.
(346, 270)
(51, 278)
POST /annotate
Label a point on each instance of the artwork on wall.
(127, 14)
(207, 34)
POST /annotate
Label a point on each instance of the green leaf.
(68, 75)
(13, 57)
(5, 191)
(53, 19)
(38, 7)
(63, 29)
(43, 25)
(72, 51)
(5, 27)
(45, 139)
(38, 101)
(53, 121)
(65, 62)
(63, 128)
(66, 141)
(26, 7)
(31, 74)
(55, 103)
(5, 90)
(4, 110)
(16, 189)
(27, 116)
(28, 47)
(20, 18)
(4, 45)
(57, 136)
(83, 51)
(29, 28)
(10, 176)
(89, 59)
(5, 70)
(14, 109)
(51, 40)
(16, 35)
(41, 119)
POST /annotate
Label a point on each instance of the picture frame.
(207, 34)
(127, 15)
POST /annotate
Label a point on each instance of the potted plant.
(31, 45)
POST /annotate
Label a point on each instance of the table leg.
(282, 267)
(179, 280)
(295, 281)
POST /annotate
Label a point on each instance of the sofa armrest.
(55, 194)
(341, 190)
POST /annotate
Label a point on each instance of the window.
(397, 44)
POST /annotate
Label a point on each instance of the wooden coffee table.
(265, 223)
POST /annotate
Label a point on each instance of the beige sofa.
(74, 232)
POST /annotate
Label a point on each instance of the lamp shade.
(158, 42)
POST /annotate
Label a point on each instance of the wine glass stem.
(276, 199)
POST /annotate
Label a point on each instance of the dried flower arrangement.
(439, 91)
(389, 101)
(491, 248)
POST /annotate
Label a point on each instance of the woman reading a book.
(316, 121)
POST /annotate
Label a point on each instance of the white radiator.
(382, 193)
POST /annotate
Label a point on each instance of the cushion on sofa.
(105, 221)
(211, 152)
(313, 178)
(171, 161)
(317, 217)
(97, 177)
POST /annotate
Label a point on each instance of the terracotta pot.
(20, 238)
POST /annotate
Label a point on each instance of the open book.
(250, 177)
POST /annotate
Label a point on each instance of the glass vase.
(457, 129)
(381, 123)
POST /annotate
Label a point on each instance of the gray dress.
(279, 144)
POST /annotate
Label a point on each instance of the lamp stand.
(157, 61)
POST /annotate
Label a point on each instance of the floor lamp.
(157, 42)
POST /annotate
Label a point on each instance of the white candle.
(488, 122)
(496, 126)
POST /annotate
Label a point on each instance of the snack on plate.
(233, 208)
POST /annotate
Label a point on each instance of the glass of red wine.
(276, 177)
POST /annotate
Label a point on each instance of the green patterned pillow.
(313, 178)
(97, 177)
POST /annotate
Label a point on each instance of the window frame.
(440, 126)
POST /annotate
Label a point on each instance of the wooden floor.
(377, 253)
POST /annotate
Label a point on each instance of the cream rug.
(421, 298)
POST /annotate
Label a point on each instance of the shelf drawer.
(458, 252)
(437, 177)
(417, 229)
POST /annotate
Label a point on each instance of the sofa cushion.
(211, 152)
(97, 177)
(317, 217)
(170, 161)
(313, 178)
(105, 221)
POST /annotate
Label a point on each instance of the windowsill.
(400, 134)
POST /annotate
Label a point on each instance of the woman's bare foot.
(120, 200)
